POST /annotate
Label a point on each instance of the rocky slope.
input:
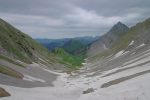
(135, 36)
(3, 93)
(107, 40)
(22, 60)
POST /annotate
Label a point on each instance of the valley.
(115, 66)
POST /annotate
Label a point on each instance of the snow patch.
(32, 79)
(66, 88)
(72, 89)
(125, 52)
(131, 43)
(53, 72)
(119, 54)
(140, 45)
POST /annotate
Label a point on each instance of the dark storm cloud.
(69, 18)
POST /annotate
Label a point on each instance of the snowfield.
(135, 89)
(130, 81)
(72, 89)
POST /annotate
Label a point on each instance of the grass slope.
(73, 62)
(16, 44)
(20, 46)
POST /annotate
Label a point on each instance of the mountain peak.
(118, 28)
(120, 24)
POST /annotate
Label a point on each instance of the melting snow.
(139, 88)
(120, 53)
(30, 78)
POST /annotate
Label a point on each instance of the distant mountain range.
(71, 50)
(55, 43)
(75, 47)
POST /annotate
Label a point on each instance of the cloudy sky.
(71, 18)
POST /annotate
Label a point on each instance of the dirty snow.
(138, 90)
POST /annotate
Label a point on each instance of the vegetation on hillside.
(20, 46)
(75, 47)
(16, 44)
(72, 62)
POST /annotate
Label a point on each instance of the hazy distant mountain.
(75, 47)
(55, 43)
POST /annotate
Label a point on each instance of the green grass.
(10, 72)
(72, 62)
(20, 45)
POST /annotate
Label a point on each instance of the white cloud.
(32, 20)
(88, 18)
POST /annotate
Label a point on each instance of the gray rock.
(89, 90)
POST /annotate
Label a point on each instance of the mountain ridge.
(135, 36)
(108, 39)
(54, 43)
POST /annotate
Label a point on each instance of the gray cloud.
(71, 18)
